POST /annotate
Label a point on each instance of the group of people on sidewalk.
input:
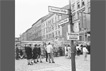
(33, 54)
(36, 53)
(80, 49)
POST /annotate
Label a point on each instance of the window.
(78, 4)
(88, 4)
(52, 27)
(83, 3)
(55, 19)
(46, 24)
(77, 15)
(53, 35)
(59, 33)
(56, 33)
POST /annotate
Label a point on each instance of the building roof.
(38, 21)
(42, 19)
(47, 16)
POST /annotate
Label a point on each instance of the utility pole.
(72, 41)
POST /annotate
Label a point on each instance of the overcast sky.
(28, 12)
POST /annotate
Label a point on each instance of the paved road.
(61, 64)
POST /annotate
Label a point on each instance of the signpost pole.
(72, 41)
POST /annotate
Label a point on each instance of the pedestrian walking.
(49, 49)
(28, 51)
(85, 51)
(35, 53)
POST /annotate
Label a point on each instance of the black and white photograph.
(52, 35)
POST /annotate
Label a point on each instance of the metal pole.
(72, 41)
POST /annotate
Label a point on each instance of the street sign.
(64, 21)
(57, 10)
(73, 36)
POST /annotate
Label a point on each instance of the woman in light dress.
(69, 51)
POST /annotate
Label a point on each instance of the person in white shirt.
(78, 48)
(85, 51)
(66, 50)
(69, 51)
(49, 50)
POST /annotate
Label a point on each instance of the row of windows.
(52, 35)
(51, 23)
(77, 15)
(78, 4)
(50, 29)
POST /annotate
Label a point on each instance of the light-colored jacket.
(49, 49)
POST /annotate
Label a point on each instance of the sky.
(27, 12)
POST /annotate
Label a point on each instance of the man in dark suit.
(28, 51)
(35, 53)
(17, 52)
(39, 53)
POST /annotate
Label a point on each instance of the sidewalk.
(61, 64)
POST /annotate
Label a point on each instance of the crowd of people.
(37, 52)
(81, 49)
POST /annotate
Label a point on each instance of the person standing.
(39, 53)
(17, 52)
(21, 54)
(69, 51)
(28, 51)
(46, 52)
(85, 51)
(66, 51)
(78, 49)
(49, 49)
(35, 53)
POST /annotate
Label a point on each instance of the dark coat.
(17, 53)
(39, 51)
(28, 51)
(35, 53)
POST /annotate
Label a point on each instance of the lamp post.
(72, 41)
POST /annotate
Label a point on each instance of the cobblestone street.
(61, 64)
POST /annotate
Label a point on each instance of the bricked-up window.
(78, 4)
